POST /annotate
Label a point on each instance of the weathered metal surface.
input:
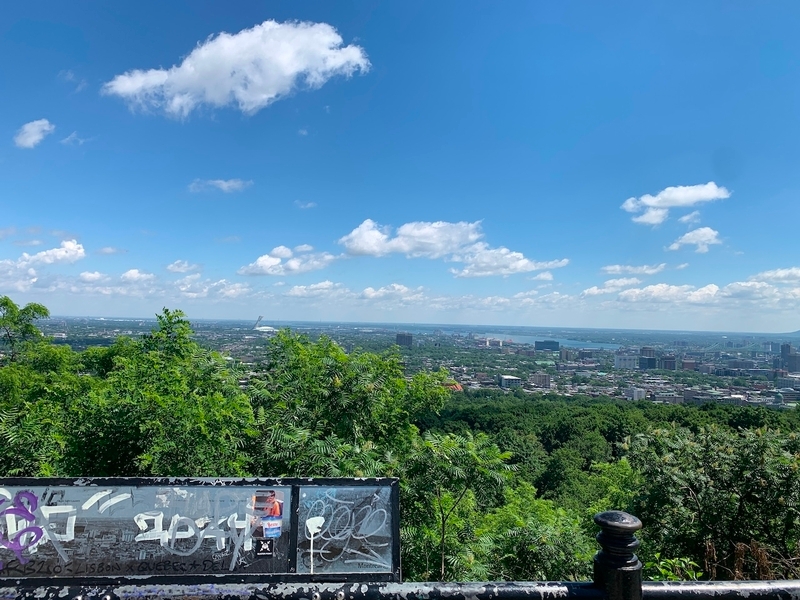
(330, 591)
(722, 590)
(702, 590)
(617, 569)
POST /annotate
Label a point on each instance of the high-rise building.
(669, 363)
(786, 350)
(624, 361)
(793, 363)
(546, 345)
(405, 339)
(541, 380)
(647, 352)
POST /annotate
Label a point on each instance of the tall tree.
(17, 324)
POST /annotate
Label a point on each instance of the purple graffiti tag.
(18, 542)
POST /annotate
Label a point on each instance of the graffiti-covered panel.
(74, 531)
(187, 528)
(344, 530)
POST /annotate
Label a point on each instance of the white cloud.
(303, 248)
(656, 208)
(455, 242)
(790, 275)
(20, 275)
(70, 251)
(224, 185)
(612, 286)
(182, 266)
(393, 292)
(73, 140)
(702, 238)
(28, 243)
(30, 134)
(691, 218)
(302, 132)
(281, 252)
(305, 205)
(634, 270)
(136, 276)
(417, 239)
(92, 276)
(483, 261)
(250, 69)
(543, 276)
(662, 292)
(281, 261)
(652, 216)
(325, 289)
(681, 266)
(108, 250)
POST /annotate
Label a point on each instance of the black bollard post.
(617, 569)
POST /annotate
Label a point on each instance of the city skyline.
(548, 166)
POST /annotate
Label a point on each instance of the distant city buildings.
(405, 339)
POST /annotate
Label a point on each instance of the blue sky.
(566, 164)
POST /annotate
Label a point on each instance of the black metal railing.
(617, 576)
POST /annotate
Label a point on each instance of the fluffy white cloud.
(692, 217)
(325, 288)
(394, 292)
(224, 185)
(250, 69)
(417, 239)
(790, 275)
(455, 242)
(611, 286)
(182, 266)
(662, 292)
(30, 134)
(304, 205)
(303, 248)
(282, 261)
(136, 276)
(656, 208)
(70, 251)
(652, 216)
(702, 238)
(92, 276)
(634, 270)
(281, 252)
(20, 275)
(543, 276)
(483, 261)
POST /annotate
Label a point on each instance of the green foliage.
(709, 495)
(16, 324)
(672, 569)
(493, 485)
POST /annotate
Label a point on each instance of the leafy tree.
(17, 324)
(443, 469)
(727, 500)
